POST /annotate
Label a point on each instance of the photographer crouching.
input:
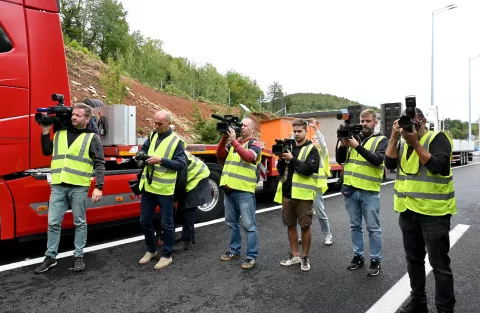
(362, 178)
(425, 198)
(76, 151)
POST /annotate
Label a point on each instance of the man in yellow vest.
(362, 177)
(157, 182)
(75, 151)
(197, 192)
(296, 191)
(425, 198)
(239, 181)
(319, 204)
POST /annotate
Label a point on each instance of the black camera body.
(59, 115)
(140, 158)
(227, 121)
(407, 121)
(282, 146)
(346, 130)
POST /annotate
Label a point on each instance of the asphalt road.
(197, 281)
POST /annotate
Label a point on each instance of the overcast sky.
(368, 51)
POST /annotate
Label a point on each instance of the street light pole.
(470, 95)
(448, 7)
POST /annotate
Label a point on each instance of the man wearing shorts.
(298, 169)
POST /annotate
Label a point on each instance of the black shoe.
(374, 267)
(357, 261)
(45, 265)
(78, 265)
(182, 246)
(414, 306)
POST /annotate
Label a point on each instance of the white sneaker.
(328, 240)
(291, 260)
(305, 264)
(164, 262)
(147, 257)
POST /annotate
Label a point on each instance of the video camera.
(228, 121)
(59, 115)
(140, 158)
(282, 146)
(347, 130)
(408, 120)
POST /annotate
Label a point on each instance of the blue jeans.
(148, 204)
(62, 198)
(240, 208)
(366, 204)
(420, 231)
(319, 206)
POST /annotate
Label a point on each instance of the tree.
(71, 15)
(275, 95)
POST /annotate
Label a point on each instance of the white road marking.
(107, 245)
(391, 301)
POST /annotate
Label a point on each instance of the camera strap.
(399, 160)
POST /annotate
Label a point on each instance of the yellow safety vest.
(362, 174)
(163, 182)
(197, 170)
(323, 175)
(303, 187)
(417, 189)
(71, 165)
(238, 174)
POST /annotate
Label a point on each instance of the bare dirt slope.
(85, 72)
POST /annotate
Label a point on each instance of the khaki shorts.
(294, 210)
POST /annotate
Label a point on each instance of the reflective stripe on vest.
(163, 180)
(303, 187)
(238, 174)
(420, 190)
(197, 170)
(71, 165)
(360, 173)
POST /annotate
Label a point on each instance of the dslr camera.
(347, 130)
(59, 115)
(227, 121)
(408, 120)
(282, 146)
(140, 158)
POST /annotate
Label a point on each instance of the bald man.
(239, 180)
(157, 182)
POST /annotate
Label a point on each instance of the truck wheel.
(212, 209)
(94, 103)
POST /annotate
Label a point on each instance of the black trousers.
(420, 231)
(188, 229)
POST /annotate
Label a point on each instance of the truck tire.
(94, 103)
(214, 208)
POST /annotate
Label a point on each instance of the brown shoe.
(228, 256)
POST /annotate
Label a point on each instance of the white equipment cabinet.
(120, 123)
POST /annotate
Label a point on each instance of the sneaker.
(305, 264)
(147, 257)
(328, 240)
(291, 260)
(45, 265)
(248, 263)
(374, 267)
(357, 261)
(164, 262)
(414, 306)
(228, 256)
(78, 264)
(182, 246)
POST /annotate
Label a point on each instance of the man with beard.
(362, 177)
(296, 191)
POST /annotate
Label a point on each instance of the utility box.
(120, 124)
